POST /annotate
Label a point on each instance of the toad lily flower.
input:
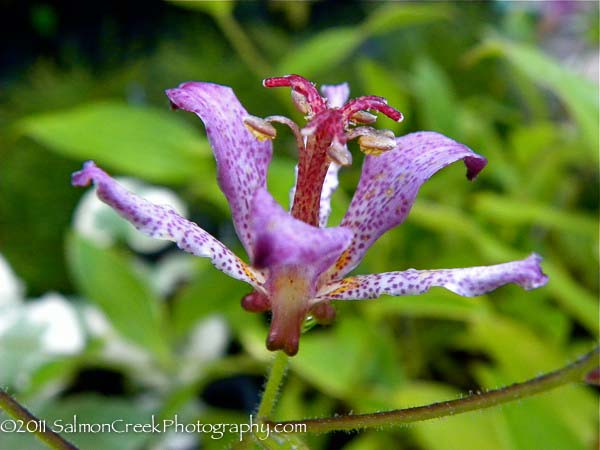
(297, 264)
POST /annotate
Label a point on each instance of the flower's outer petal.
(468, 282)
(389, 184)
(282, 240)
(163, 222)
(330, 184)
(242, 160)
(336, 94)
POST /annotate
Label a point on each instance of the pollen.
(376, 142)
(343, 259)
(344, 285)
(260, 128)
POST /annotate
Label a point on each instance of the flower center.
(323, 139)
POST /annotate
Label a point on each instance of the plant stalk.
(41, 430)
(269, 397)
(571, 373)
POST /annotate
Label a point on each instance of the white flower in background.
(99, 223)
(115, 349)
(170, 270)
(62, 332)
(52, 316)
(207, 342)
(11, 287)
(33, 332)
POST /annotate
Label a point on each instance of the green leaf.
(107, 278)
(322, 52)
(392, 16)
(327, 49)
(379, 80)
(573, 297)
(438, 304)
(20, 351)
(279, 441)
(334, 360)
(435, 98)
(580, 96)
(518, 211)
(520, 355)
(211, 292)
(145, 142)
(91, 409)
(532, 422)
(280, 179)
(214, 8)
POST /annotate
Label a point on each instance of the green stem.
(574, 372)
(269, 397)
(238, 39)
(19, 413)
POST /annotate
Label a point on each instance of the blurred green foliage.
(474, 71)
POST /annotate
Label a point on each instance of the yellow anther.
(377, 142)
(260, 128)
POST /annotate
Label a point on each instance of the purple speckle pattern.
(242, 160)
(163, 222)
(330, 184)
(336, 94)
(298, 263)
(281, 240)
(468, 282)
(389, 184)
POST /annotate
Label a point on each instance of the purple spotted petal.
(242, 160)
(389, 184)
(469, 282)
(163, 222)
(282, 240)
(336, 94)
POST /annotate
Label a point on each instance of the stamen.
(302, 104)
(292, 125)
(339, 153)
(324, 313)
(372, 141)
(256, 302)
(260, 128)
(363, 118)
(377, 143)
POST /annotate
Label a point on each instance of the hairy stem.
(41, 430)
(574, 372)
(269, 397)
